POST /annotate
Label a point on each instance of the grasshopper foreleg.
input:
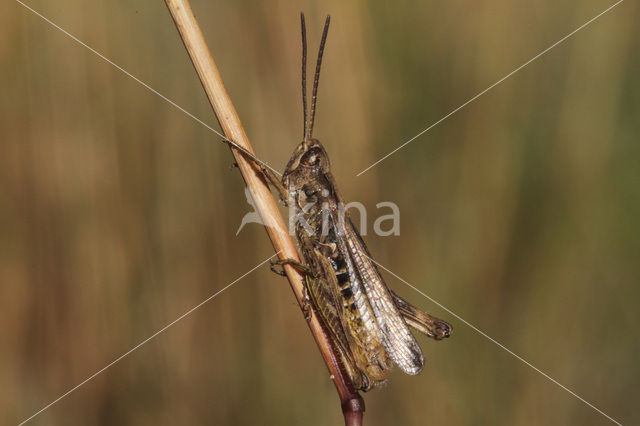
(269, 175)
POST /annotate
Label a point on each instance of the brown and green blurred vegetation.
(118, 213)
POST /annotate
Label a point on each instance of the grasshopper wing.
(396, 337)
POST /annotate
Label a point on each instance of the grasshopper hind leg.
(421, 321)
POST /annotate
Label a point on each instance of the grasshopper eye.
(311, 157)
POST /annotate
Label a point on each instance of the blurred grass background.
(118, 213)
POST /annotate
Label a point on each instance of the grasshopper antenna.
(304, 73)
(312, 112)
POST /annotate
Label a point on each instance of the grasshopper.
(368, 323)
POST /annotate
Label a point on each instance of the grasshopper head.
(308, 162)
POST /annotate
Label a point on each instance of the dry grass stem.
(352, 403)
